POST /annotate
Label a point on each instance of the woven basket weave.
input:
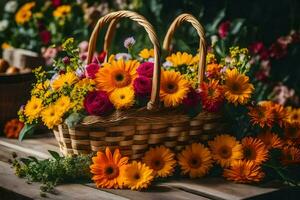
(135, 130)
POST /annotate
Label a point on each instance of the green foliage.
(53, 171)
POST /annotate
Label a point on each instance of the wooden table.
(12, 187)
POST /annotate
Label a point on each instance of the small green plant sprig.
(53, 171)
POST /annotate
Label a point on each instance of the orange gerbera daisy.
(261, 116)
(108, 169)
(211, 95)
(173, 89)
(254, 150)
(237, 88)
(116, 74)
(290, 155)
(161, 160)
(279, 113)
(271, 140)
(195, 160)
(225, 149)
(244, 172)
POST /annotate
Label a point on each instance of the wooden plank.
(12, 183)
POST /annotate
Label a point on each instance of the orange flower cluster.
(13, 128)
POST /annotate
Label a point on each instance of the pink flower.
(224, 29)
(49, 54)
(146, 69)
(99, 58)
(83, 46)
(282, 94)
(277, 51)
(97, 103)
(142, 86)
(295, 36)
(192, 100)
(45, 37)
(91, 70)
(284, 41)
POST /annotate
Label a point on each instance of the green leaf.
(212, 28)
(33, 159)
(73, 119)
(54, 154)
(236, 26)
(28, 129)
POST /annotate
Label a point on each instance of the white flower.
(11, 6)
(124, 56)
(3, 25)
(214, 39)
(129, 42)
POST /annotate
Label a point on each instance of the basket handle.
(202, 43)
(114, 17)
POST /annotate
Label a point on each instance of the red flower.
(192, 100)
(56, 3)
(97, 103)
(142, 86)
(277, 50)
(212, 96)
(224, 29)
(45, 37)
(99, 58)
(256, 47)
(146, 69)
(91, 70)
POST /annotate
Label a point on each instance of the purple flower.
(97, 103)
(142, 86)
(129, 42)
(91, 70)
(146, 69)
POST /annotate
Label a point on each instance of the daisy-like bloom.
(63, 104)
(261, 116)
(195, 160)
(226, 149)
(108, 169)
(173, 89)
(237, 88)
(146, 53)
(116, 74)
(122, 98)
(271, 140)
(211, 95)
(62, 80)
(279, 113)
(62, 11)
(244, 172)
(292, 133)
(51, 116)
(33, 108)
(180, 59)
(290, 155)
(213, 70)
(161, 160)
(293, 116)
(254, 150)
(24, 14)
(138, 176)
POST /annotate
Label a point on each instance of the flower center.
(157, 164)
(137, 176)
(249, 153)
(111, 172)
(122, 96)
(171, 88)
(225, 152)
(194, 162)
(121, 79)
(235, 88)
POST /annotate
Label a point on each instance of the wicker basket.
(205, 125)
(135, 130)
(14, 91)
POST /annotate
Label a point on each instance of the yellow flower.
(161, 160)
(138, 176)
(68, 79)
(63, 104)
(33, 108)
(254, 150)
(173, 89)
(244, 172)
(24, 13)
(122, 98)
(108, 169)
(180, 59)
(51, 116)
(237, 88)
(86, 83)
(146, 53)
(293, 116)
(210, 58)
(116, 74)
(225, 149)
(195, 160)
(5, 45)
(62, 11)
